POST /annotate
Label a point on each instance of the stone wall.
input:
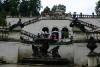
(77, 52)
(15, 20)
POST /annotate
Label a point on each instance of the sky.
(84, 6)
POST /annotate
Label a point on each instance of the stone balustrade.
(87, 16)
(31, 21)
(85, 36)
(84, 15)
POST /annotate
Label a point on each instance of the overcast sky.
(84, 6)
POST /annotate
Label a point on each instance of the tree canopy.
(24, 8)
(21, 7)
(97, 8)
(16, 8)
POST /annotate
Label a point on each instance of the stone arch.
(45, 29)
(55, 29)
(65, 29)
(55, 33)
(64, 33)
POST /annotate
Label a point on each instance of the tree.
(59, 8)
(1, 6)
(3, 18)
(2, 15)
(97, 8)
(35, 6)
(54, 8)
(46, 10)
(2, 22)
(24, 8)
(6, 6)
(13, 5)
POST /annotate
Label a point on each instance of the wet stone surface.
(39, 65)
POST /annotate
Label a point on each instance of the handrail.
(89, 25)
(85, 16)
(94, 27)
(31, 21)
(27, 33)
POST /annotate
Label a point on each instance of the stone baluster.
(93, 15)
(81, 15)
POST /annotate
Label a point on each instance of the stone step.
(51, 61)
(2, 62)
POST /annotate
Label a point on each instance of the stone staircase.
(31, 21)
(24, 24)
(29, 35)
(93, 27)
(89, 25)
(45, 60)
(2, 61)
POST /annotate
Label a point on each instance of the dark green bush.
(2, 22)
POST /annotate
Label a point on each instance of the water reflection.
(14, 65)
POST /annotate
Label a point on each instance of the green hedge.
(2, 22)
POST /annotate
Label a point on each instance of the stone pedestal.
(92, 59)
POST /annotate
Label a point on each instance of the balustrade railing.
(89, 25)
(85, 16)
(84, 37)
(4, 32)
(31, 21)
(23, 32)
(96, 35)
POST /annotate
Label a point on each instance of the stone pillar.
(74, 15)
(92, 59)
(81, 15)
(93, 15)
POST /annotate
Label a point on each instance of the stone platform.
(45, 60)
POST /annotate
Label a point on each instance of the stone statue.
(55, 52)
(78, 24)
(35, 51)
(91, 44)
(44, 49)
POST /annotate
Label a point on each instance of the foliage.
(13, 5)
(97, 8)
(98, 65)
(2, 15)
(34, 6)
(20, 7)
(46, 10)
(2, 22)
(60, 7)
(24, 8)
(0, 6)
(6, 6)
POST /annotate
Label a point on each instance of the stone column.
(92, 59)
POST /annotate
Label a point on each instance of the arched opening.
(65, 29)
(55, 29)
(45, 32)
(64, 33)
(55, 33)
(45, 29)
